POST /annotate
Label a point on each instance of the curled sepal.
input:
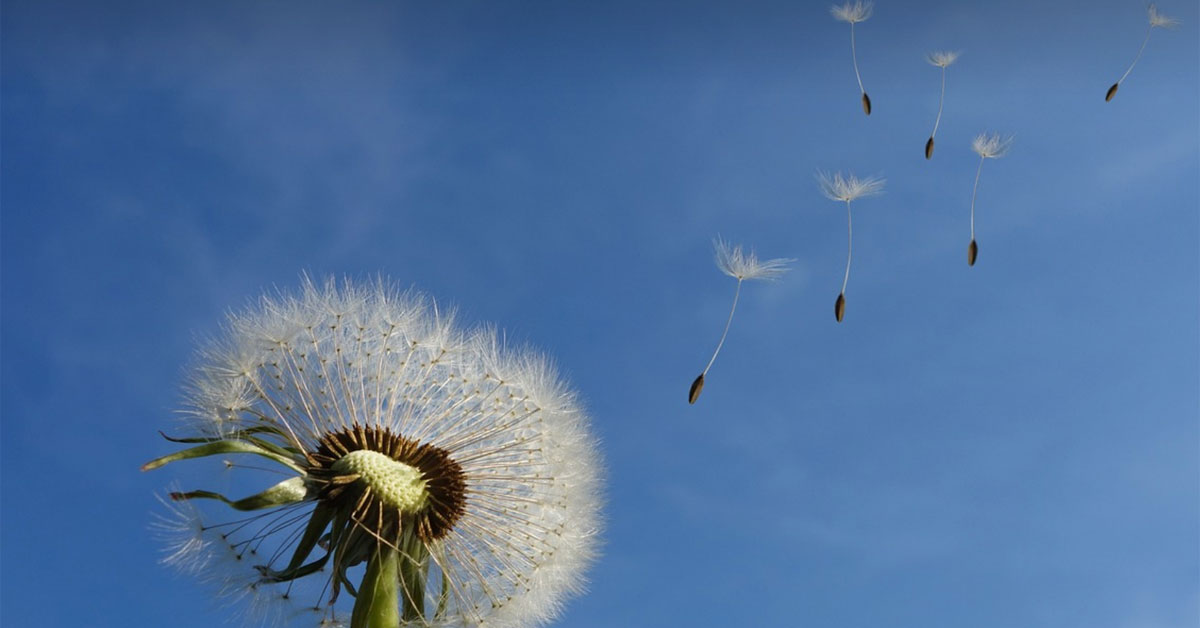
(246, 435)
(697, 386)
(258, 429)
(313, 532)
(223, 447)
(286, 492)
(270, 575)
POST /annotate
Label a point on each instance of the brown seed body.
(972, 253)
(697, 386)
(1112, 91)
(839, 308)
(866, 104)
(929, 148)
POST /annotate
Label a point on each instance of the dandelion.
(835, 187)
(943, 61)
(1157, 20)
(855, 13)
(987, 147)
(740, 266)
(432, 475)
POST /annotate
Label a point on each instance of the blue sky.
(1014, 444)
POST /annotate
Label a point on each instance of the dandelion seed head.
(857, 12)
(942, 58)
(837, 187)
(1158, 20)
(991, 146)
(742, 266)
(358, 389)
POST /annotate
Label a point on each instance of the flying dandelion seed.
(987, 147)
(943, 61)
(835, 187)
(855, 13)
(1157, 20)
(740, 266)
(459, 474)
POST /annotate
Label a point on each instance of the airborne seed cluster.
(847, 188)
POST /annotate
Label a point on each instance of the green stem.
(393, 588)
(377, 605)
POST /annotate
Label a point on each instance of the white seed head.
(942, 58)
(340, 357)
(991, 146)
(741, 266)
(836, 187)
(857, 12)
(1159, 20)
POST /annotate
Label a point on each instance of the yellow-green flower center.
(394, 483)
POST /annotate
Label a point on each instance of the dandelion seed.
(461, 474)
(943, 61)
(835, 187)
(1156, 20)
(854, 13)
(733, 262)
(987, 147)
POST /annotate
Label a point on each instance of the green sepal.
(282, 450)
(257, 429)
(270, 575)
(321, 515)
(414, 570)
(443, 596)
(313, 533)
(339, 535)
(350, 588)
(286, 492)
(223, 447)
(245, 435)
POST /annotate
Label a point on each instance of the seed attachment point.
(697, 386)
(397, 484)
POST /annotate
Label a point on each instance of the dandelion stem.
(973, 192)
(377, 604)
(854, 57)
(941, 101)
(849, 246)
(1139, 55)
(737, 292)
